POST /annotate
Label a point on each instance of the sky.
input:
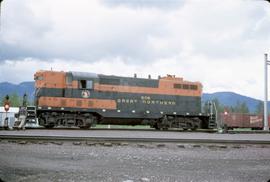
(219, 43)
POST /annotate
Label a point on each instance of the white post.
(266, 127)
(0, 13)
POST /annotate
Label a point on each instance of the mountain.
(231, 99)
(20, 89)
(225, 98)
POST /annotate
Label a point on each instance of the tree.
(244, 108)
(232, 109)
(2, 101)
(259, 108)
(220, 107)
(237, 107)
(240, 107)
(15, 100)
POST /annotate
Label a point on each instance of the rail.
(132, 140)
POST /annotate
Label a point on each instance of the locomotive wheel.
(196, 124)
(157, 126)
(85, 123)
(160, 126)
(49, 126)
(80, 124)
(85, 127)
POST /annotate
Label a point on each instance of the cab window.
(85, 84)
(69, 79)
(38, 78)
(185, 86)
(178, 86)
(193, 87)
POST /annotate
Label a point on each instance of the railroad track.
(130, 140)
(126, 129)
(154, 130)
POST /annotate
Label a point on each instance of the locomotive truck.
(84, 99)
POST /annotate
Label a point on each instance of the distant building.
(10, 114)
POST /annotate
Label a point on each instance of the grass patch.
(242, 129)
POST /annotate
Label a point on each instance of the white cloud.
(244, 78)
(219, 44)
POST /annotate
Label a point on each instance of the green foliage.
(240, 107)
(15, 100)
(220, 107)
(244, 108)
(259, 108)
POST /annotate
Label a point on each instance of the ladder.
(212, 115)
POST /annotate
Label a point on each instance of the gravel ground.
(132, 162)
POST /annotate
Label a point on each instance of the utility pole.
(266, 127)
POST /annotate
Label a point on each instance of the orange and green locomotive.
(85, 99)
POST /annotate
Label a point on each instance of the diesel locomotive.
(85, 99)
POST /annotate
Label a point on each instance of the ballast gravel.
(69, 161)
